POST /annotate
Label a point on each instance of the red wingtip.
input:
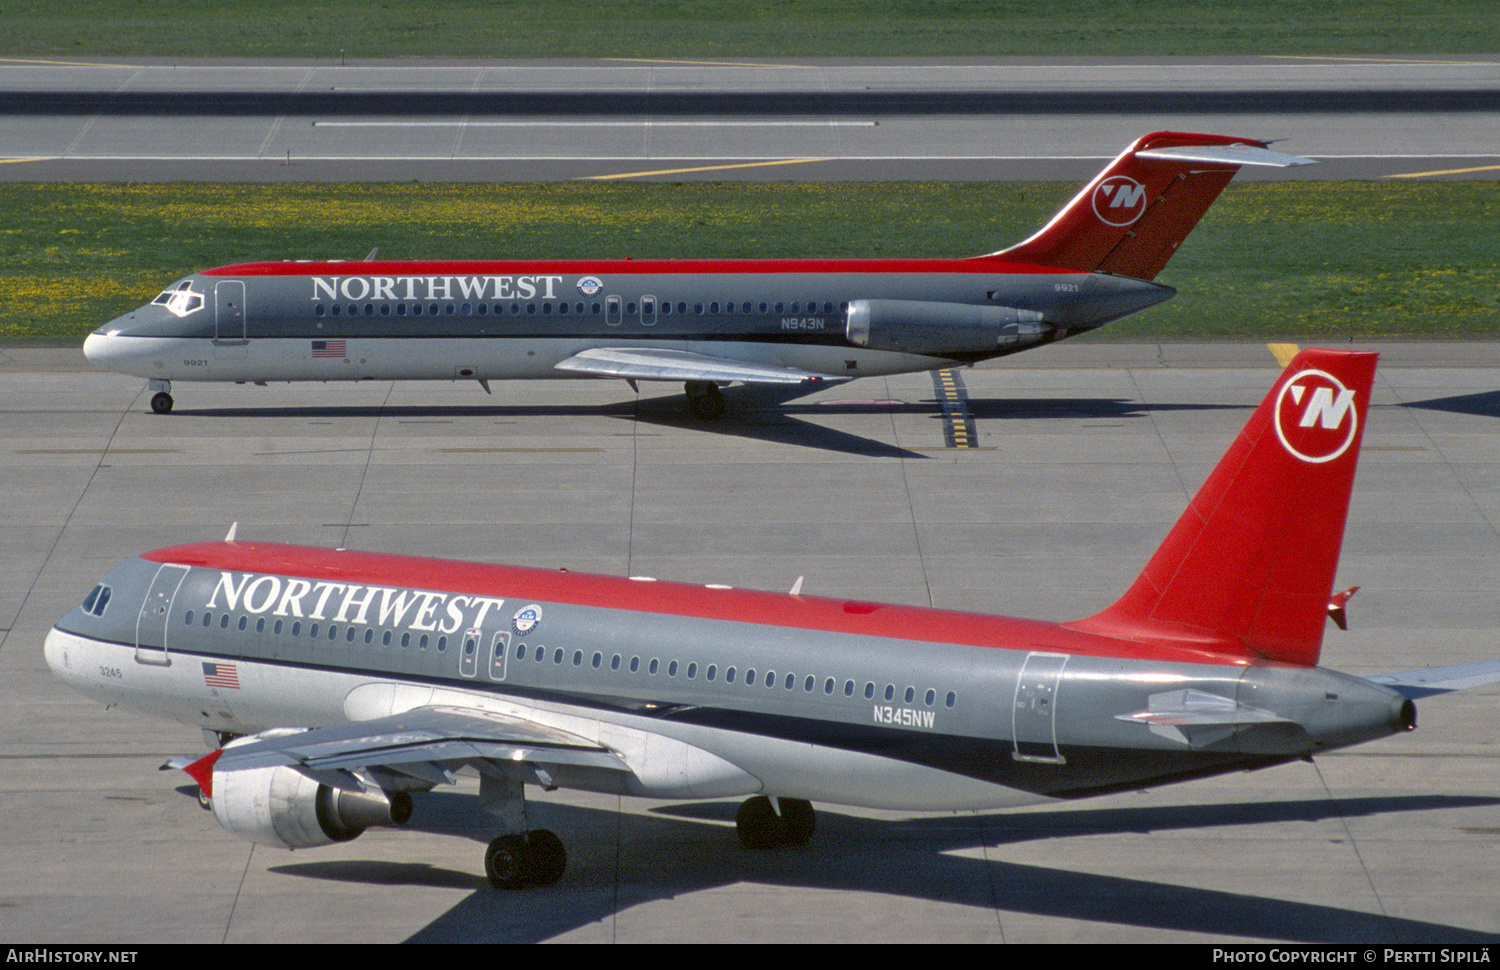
(202, 771)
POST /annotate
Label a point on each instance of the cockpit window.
(96, 601)
(179, 300)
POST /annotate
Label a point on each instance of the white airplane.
(703, 322)
(339, 682)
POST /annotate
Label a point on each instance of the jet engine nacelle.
(941, 329)
(284, 808)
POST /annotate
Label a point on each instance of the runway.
(1011, 119)
(1085, 452)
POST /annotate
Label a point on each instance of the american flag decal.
(329, 348)
(221, 675)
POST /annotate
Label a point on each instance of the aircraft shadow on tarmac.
(619, 861)
(767, 414)
(1485, 404)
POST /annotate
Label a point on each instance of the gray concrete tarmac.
(1362, 117)
(1087, 452)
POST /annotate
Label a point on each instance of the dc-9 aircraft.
(347, 680)
(705, 323)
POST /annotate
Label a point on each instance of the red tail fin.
(1132, 217)
(1249, 567)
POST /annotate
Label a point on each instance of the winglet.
(202, 771)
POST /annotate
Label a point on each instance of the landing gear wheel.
(161, 402)
(705, 400)
(548, 858)
(758, 825)
(204, 802)
(799, 819)
(517, 861)
(505, 862)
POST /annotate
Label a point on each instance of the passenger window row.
(712, 672)
(293, 629)
(561, 308)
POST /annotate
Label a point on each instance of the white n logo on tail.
(1323, 409)
(1315, 416)
(1119, 200)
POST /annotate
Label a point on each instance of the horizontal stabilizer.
(656, 364)
(1440, 680)
(1227, 155)
(1199, 719)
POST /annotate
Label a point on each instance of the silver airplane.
(339, 682)
(705, 323)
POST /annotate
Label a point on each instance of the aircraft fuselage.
(519, 320)
(703, 695)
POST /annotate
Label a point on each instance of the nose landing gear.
(161, 401)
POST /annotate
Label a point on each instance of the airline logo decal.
(1119, 200)
(589, 285)
(331, 288)
(526, 619)
(352, 603)
(1315, 416)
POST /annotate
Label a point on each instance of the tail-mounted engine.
(941, 329)
(284, 808)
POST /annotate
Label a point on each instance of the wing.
(1440, 680)
(657, 364)
(426, 745)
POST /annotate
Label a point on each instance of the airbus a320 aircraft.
(703, 322)
(353, 679)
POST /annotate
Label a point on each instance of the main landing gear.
(765, 823)
(521, 857)
(705, 400)
(517, 861)
(536, 857)
(161, 401)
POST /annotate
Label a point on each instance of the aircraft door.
(229, 311)
(499, 655)
(468, 655)
(151, 624)
(1034, 714)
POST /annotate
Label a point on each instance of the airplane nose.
(96, 349)
(108, 349)
(56, 652)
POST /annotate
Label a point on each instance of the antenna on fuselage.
(233, 527)
(370, 257)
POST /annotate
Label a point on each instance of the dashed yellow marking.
(1283, 352)
(1449, 171)
(38, 60)
(958, 423)
(704, 168)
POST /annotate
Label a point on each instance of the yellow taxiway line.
(703, 168)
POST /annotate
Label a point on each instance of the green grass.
(762, 29)
(1289, 259)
